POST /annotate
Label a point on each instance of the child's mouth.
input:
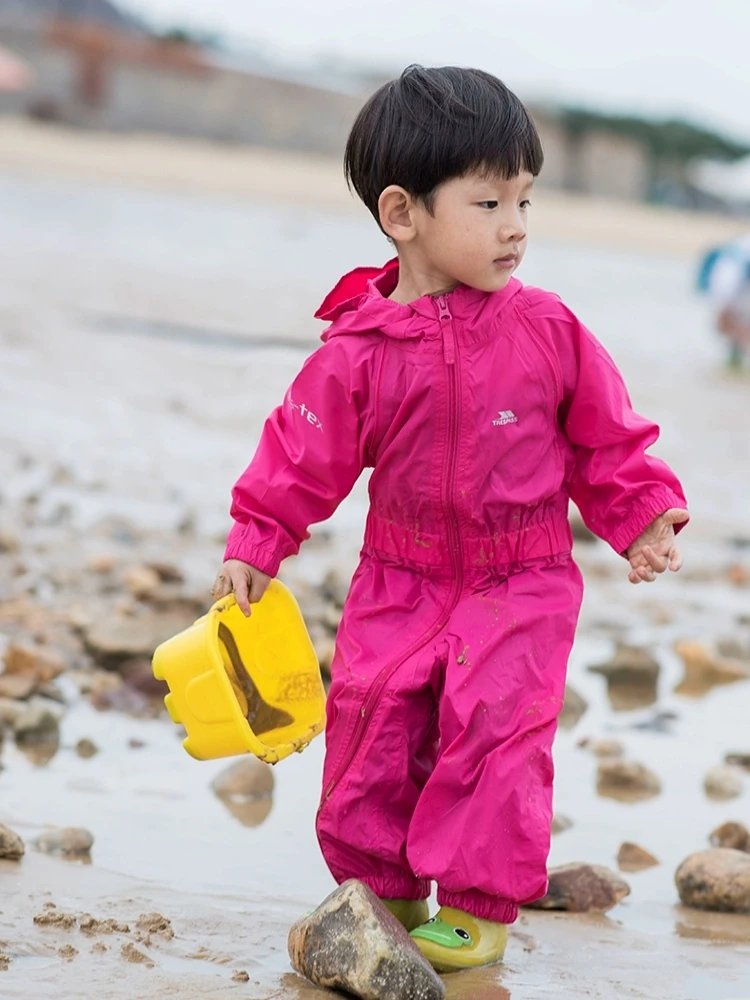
(508, 262)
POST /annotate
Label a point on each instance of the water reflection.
(719, 927)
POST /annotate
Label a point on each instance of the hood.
(359, 303)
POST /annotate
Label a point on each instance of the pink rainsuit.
(481, 415)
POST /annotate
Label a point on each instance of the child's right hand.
(246, 582)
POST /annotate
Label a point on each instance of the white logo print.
(505, 417)
(309, 416)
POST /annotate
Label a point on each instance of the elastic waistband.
(549, 535)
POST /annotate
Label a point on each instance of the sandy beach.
(155, 301)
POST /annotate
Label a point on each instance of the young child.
(482, 407)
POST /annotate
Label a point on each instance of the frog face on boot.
(446, 935)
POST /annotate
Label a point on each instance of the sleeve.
(617, 486)
(311, 452)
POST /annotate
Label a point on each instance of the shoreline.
(211, 169)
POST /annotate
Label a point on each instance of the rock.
(704, 669)
(67, 953)
(632, 858)
(91, 926)
(632, 677)
(155, 925)
(602, 748)
(102, 563)
(247, 778)
(69, 841)
(111, 640)
(10, 712)
(54, 918)
(240, 976)
(167, 572)
(16, 687)
(560, 824)
(354, 944)
(626, 781)
(574, 707)
(716, 879)
(142, 581)
(132, 954)
(39, 664)
(11, 846)
(35, 726)
(738, 760)
(580, 888)
(734, 835)
(86, 748)
(722, 783)
(139, 675)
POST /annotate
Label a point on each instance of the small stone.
(632, 676)
(16, 687)
(154, 924)
(723, 783)
(53, 918)
(632, 858)
(626, 781)
(733, 835)
(132, 954)
(69, 840)
(738, 760)
(704, 669)
(240, 976)
(603, 748)
(86, 748)
(12, 848)
(574, 707)
(68, 953)
(39, 664)
(354, 944)
(247, 778)
(167, 572)
(581, 888)
(142, 581)
(136, 744)
(716, 879)
(37, 725)
(560, 824)
(99, 948)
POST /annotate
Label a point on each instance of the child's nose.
(512, 229)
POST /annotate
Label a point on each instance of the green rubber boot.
(409, 912)
(454, 940)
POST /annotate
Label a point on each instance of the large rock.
(705, 669)
(247, 778)
(33, 662)
(35, 726)
(731, 834)
(574, 707)
(70, 841)
(580, 888)
(632, 858)
(632, 676)
(11, 846)
(113, 639)
(717, 879)
(354, 944)
(626, 781)
(722, 783)
(16, 687)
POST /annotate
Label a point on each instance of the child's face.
(476, 233)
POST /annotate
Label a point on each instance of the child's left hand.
(655, 549)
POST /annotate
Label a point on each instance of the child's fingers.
(258, 587)
(222, 586)
(241, 588)
(656, 562)
(675, 559)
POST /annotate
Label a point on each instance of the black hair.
(431, 125)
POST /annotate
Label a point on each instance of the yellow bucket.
(245, 685)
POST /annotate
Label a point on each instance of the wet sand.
(135, 371)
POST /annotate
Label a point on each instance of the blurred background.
(172, 211)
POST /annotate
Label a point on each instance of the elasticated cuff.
(481, 905)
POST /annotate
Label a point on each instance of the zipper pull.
(446, 321)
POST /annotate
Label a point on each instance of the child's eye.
(525, 204)
(488, 204)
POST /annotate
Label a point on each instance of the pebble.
(560, 824)
(629, 665)
(69, 840)
(722, 783)
(12, 848)
(738, 760)
(626, 781)
(36, 725)
(574, 708)
(86, 748)
(731, 834)
(582, 888)
(704, 669)
(247, 778)
(632, 858)
(716, 879)
(354, 944)
(603, 748)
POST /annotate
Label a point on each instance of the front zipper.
(451, 358)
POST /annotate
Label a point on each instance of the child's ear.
(396, 210)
